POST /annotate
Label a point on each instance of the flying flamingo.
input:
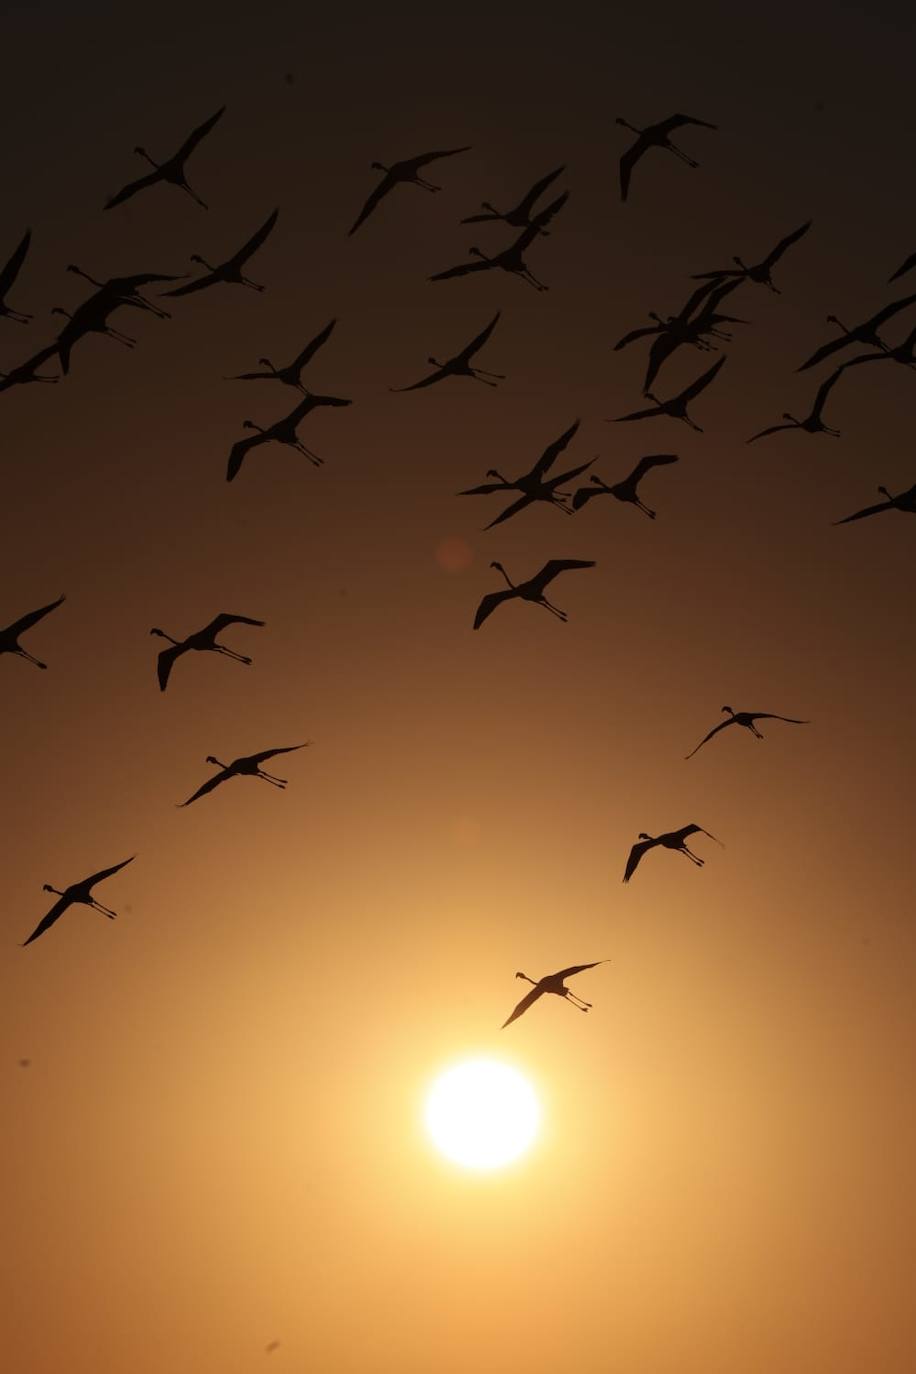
(812, 424)
(406, 171)
(511, 259)
(8, 275)
(89, 318)
(692, 331)
(27, 372)
(655, 136)
(203, 640)
(76, 893)
(460, 364)
(125, 289)
(866, 332)
(905, 501)
(291, 374)
(682, 326)
(676, 406)
(248, 766)
(533, 485)
(906, 266)
(172, 170)
(745, 718)
(625, 490)
(280, 432)
(904, 353)
(760, 271)
(553, 982)
(520, 217)
(9, 638)
(673, 839)
(231, 269)
(532, 590)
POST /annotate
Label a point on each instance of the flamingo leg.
(307, 452)
(253, 284)
(16, 315)
(193, 194)
(645, 509)
(692, 857)
(102, 910)
(269, 777)
(23, 653)
(681, 154)
(230, 653)
(554, 610)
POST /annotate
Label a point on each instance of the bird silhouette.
(291, 374)
(248, 766)
(673, 839)
(203, 640)
(866, 332)
(28, 371)
(125, 290)
(9, 638)
(906, 266)
(8, 275)
(520, 217)
(655, 136)
(904, 353)
(76, 893)
(553, 982)
(231, 269)
(534, 484)
(460, 364)
(172, 170)
(281, 432)
(760, 271)
(694, 331)
(532, 590)
(92, 316)
(676, 406)
(682, 326)
(625, 490)
(905, 501)
(813, 423)
(745, 718)
(511, 259)
(406, 171)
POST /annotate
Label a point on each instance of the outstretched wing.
(703, 381)
(311, 402)
(578, 968)
(165, 662)
(651, 460)
(209, 279)
(436, 376)
(249, 248)
(553, 451)
(462, 270)
(25, 622)
(132, 188)
(220, 622)
(635, 855)
(526, 205)
(479, 340)
(554, 567)
(889, 310)
(676, 121)
(208, 786)
(485, 490)
(627, 163)
(385, 185)
(269, 753)
(769, 715)
(107, 872)
(585, 494)
(489, 603)
(714, 731)
(904, 267)
(824, 390)
(424, 158)
(514, 509)
(635, 334)
(58, 909)
(641, 414)
(238, 452)
(660, 352)
(11, 271)
(523, 1005)
(868, 510)
(194, 138)
(771, 429)
(694, 829)
(543, 217)
(312, 347)
(785, 243)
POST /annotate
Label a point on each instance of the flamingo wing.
(868, 510)
(220, 622)
(165, 662)
(209, 785)
(541, 218)
(199, 283)
(25, 622)
(553, 568)
(239, 452)
(677, 121)
(104, 873)
(641, 414)
(659, 353)
(635, 334)
(714, 731)
(514, 509)
(489, 603)
(132, 188)
(702, 382)
(266, 754)
(651, 460)
(694, 829)
(195, 137)
(771, 429)
(528, 999)
(436, 376)
(906, 266)
(628, 162)
(635, 855)
(251, 246)
(584, 494)
(11, 271)
(412, 163)
(578, 968)
(312, 347)
(893, 309)
(553, 451)
(770, 715)
(478, 341)
(57, 910)
(388, 181)
(463, 268)
(527, 203)
(824, 391)
(773, 257)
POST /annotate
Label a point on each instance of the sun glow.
(482, 1114)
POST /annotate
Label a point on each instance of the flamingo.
(692, 331)
(460, 364)
(906, 266)
(905, 501)
(511, 259)
(9, 638)
(866, 332)
(406, 171)
(231, 269)
(291, 374)
(655, 136)
(172, 170)
(683, 325)
(760, 271)
(745, 718)
(8, 275)
(625, 490)
(203, 640)
(904, 353)
(27, 372)
(125, 289)
(672, 839)
(553, 982)
(520, 216)
(247, 766)
(532, 590)
(532, 484)
(676, 406)
(76, 893)
(89, 318)
(280, 432)
(812, 424)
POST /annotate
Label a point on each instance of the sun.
(482, 1114)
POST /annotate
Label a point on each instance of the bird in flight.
(904, 353)
(678, 330)
(760, 271)
(406, 171)
(655, 136)
(625, 490)
(172, 170)
(906, 266)
(555, 983)
(125, 290)
(676, 406)
(745, 718)
(511, 259)
(9, 638)
(92, 317)
(813, 423)
(76, 892)
(28, 371)
(687, 326)
(520, 217)
(532, 590)
(866, 332)
(460, 364)
(231, 269)
(248, 766)
(202, 640)
(673, 839)
(533, 485)
(905, 501)
(291, 374)
(280, 432)
(8, 275)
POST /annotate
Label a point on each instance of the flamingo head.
(160, 633)
(728, 709)
(643, 836)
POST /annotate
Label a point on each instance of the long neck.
(506, 576)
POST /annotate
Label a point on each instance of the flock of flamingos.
(696, 325)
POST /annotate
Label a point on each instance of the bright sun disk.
(482, 1114)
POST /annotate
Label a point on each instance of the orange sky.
(217, 1141)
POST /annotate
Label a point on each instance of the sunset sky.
(217, 1142)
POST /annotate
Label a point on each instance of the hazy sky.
(217, 1143)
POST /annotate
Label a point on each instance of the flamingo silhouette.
(533, 485)
(866, 332)
(760, 271)
(676, 406)
(202, 640)
(625, 490)
(905, 501)
(247, 766)
(511, 259)
(745, 718)
(92, 317)
(682, 326)
(280, 432)
(655, 136)
(904, 353)
(906, 266)
(27, 372)
(555, 983)
(520, 216)
(406, 171)
(291, 374)
(812, 423)
(460, 364)
(231, 269)
(125, 290)
(8, 275)
(172, 170)
(532, 590)
(672, 839)
(76, 893)
(9, 637)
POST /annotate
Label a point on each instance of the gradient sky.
(217, 1143)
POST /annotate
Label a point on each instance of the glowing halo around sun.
(482, 1114)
